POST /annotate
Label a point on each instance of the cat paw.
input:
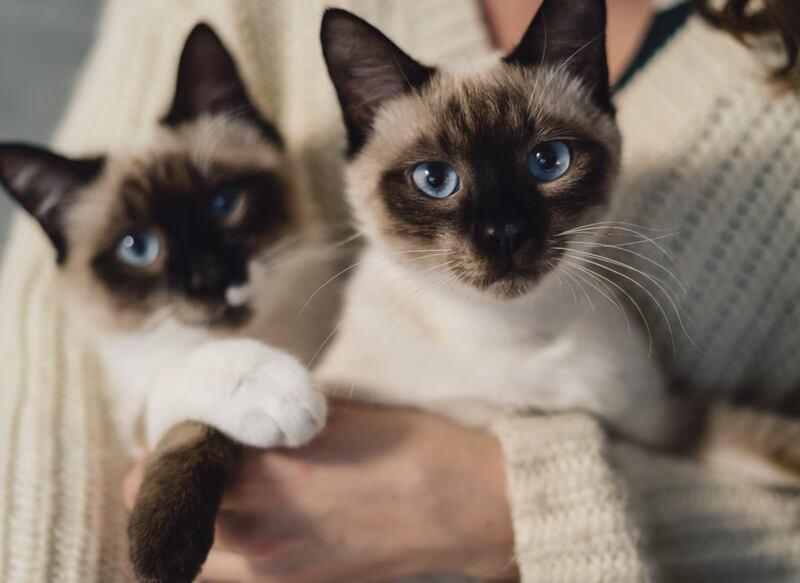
(277, 404)
(255, 394)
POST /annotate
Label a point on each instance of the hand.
(381, 494)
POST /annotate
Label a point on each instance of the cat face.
(484, 169)
(178, 222)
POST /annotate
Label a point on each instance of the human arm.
(381, 494)
(387, 493)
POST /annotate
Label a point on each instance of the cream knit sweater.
(585, 508)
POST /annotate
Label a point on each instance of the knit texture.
(584, 508)
(711, 152)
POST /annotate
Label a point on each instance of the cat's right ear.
(367, 70)
(46, 184)
(209, 83)
(569, 36)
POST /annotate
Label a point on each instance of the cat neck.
(383, 280)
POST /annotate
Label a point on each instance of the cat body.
(185, 258)
(150, 350)
(474, 190)
(404, 340)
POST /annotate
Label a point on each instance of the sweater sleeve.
(586, 508)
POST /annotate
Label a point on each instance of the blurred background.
(42, 43)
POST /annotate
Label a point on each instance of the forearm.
(585, 508)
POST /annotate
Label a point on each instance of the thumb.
(132, 482)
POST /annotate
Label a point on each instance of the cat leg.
(234, 392)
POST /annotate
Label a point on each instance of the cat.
(184, 256)
(471, 187)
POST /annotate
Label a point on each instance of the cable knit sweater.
(709, 149)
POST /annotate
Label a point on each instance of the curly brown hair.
(745, 18)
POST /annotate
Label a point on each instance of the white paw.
(276, 404)
(257, 395)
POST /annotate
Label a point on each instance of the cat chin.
(507, 289)
(223, 317)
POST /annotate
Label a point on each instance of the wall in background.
(42, 43)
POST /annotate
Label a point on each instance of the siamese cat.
(179, 256)
(471, 188)
(475, 190)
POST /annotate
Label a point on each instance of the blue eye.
(550, 161)
(139, 248)
(436, 179)
(226, 202)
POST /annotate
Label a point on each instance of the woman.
(390, 493)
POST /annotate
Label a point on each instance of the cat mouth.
(231, 316)
(218, 315)
(514, 280)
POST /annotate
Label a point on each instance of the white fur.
(403, 341)
(261, 396)
(238, 295)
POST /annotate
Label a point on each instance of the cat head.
(176, 222)
(486, 169)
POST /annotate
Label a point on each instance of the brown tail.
(171, 528)
(763, 447)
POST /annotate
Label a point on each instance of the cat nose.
(204, 279)
(506, 239)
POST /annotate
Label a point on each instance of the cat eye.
(436, 179)
(550, 161)
(139, 248)
(227, 203)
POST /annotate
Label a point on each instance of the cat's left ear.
(209, 83)
(367, 70)
(46, 185)
(570, 35)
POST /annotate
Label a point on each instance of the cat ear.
(367, 70)
(570, 35)
(46, 184)
(209, 83)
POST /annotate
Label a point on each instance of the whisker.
(611, 298)
(157, 318)
(640, 238)
(619, 224)
(658, 283)
(323, 286)
(350, 268)
(438, 267)
(630, 298)
(661, 284)
(580, 289)
(324, 343)
(638, 284)
(563, 65)
(644, 258)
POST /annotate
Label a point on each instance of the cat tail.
(764, 447)
(171, 527)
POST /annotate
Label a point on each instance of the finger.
(257, 535)
(132, 482)
(227, 567)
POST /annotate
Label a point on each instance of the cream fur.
(405, 341)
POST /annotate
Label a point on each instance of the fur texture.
(457, 304)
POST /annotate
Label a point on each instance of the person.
(387, 493)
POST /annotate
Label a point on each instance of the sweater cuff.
(568, 509)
